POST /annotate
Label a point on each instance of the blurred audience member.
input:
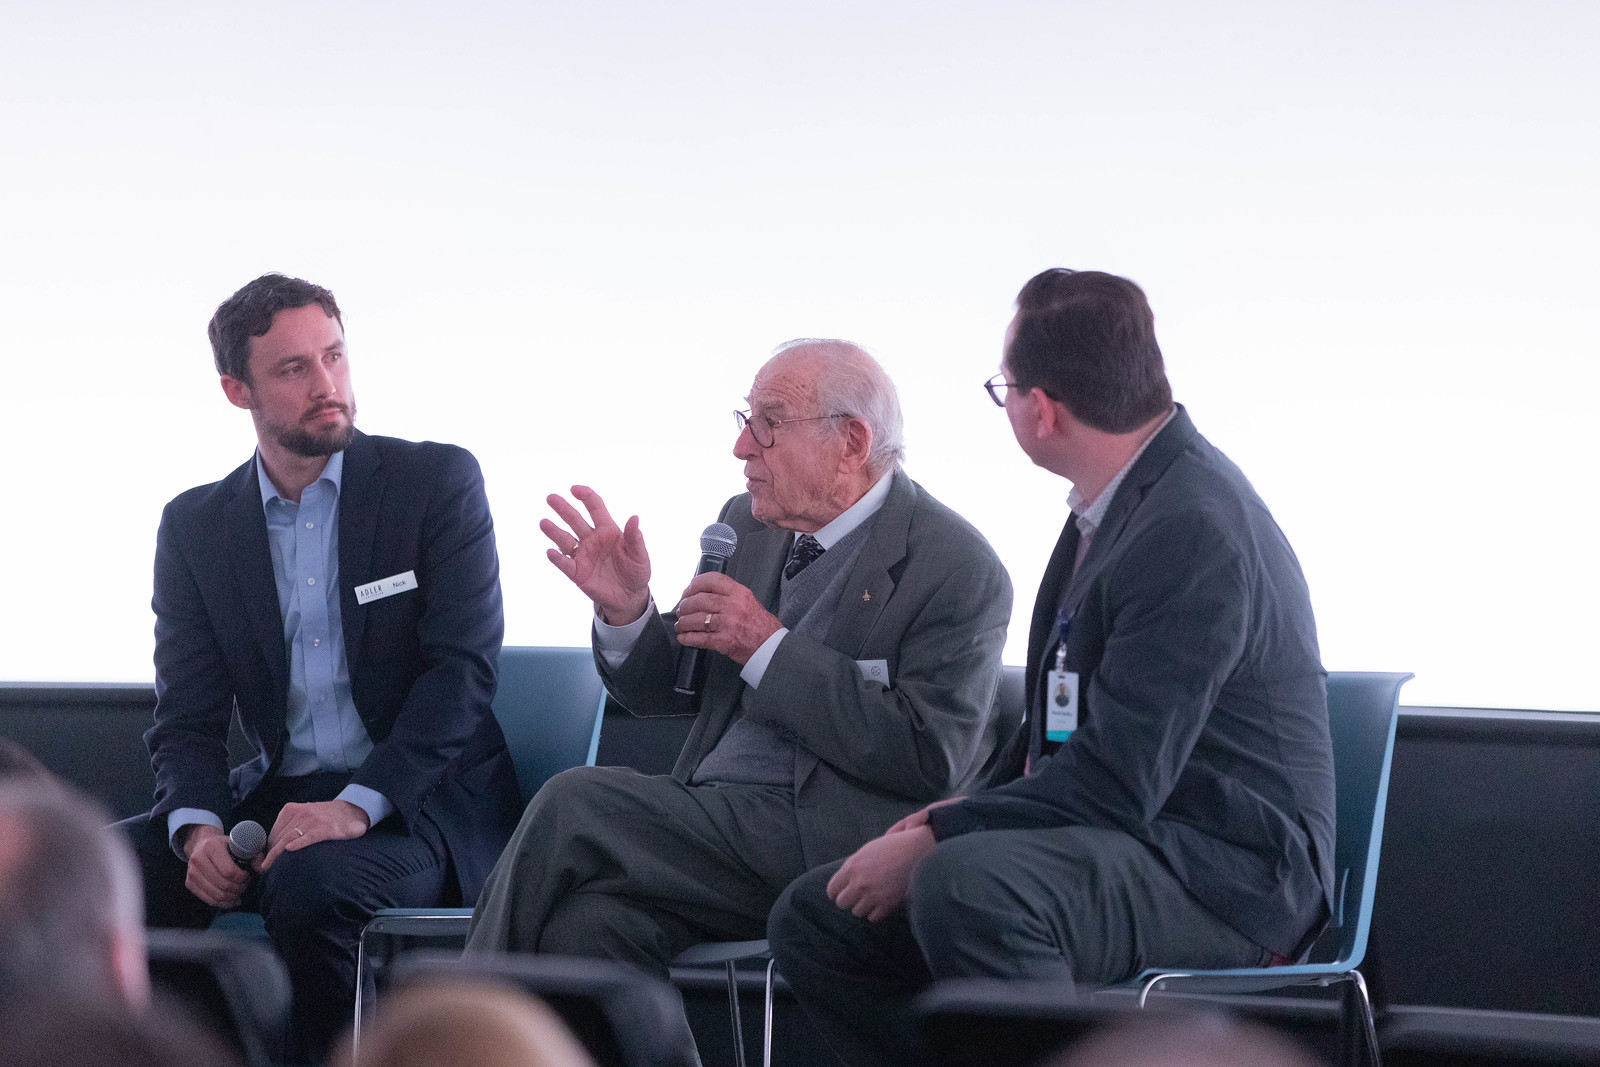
(45, 1032)
(71, 913)
(18, 761)
(466, 1024)
(1185, 1041)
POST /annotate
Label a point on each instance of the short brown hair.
(248, 313)
(1088, 339)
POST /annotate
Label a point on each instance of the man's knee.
(804, 919)
(613, 927)
(308, 890)
(955, 889)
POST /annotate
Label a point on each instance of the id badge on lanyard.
(1061, 691)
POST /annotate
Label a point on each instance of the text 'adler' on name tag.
(395, 583)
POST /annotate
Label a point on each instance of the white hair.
(853, 383)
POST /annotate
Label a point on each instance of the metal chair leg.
(766, 1034)
(1358, 1003)
(733, 1005)
(361, 989)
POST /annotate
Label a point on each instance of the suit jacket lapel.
(1157, 457)
(360, 490)
(859, 612)
(251, 556)
(870, 584)
(1040, 633)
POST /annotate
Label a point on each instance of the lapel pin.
(865, 595)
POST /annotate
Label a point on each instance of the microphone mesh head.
(247, 838)
(718, 539)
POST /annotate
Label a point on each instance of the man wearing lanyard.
(1172, 801)
(338, 595)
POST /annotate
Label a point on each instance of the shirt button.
(311, 581)
(316, 642)
(310, 525)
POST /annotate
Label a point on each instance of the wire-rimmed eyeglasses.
(761, 426)
(997, 387)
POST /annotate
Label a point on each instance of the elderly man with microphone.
(848, 658)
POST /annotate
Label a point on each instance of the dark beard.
(311, 445)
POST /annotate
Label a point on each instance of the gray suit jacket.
(928, 595)
(1203, 727)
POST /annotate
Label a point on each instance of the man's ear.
(857, 444)
(237, 392)
(1046, 413)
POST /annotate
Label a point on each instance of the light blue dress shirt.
(325, 732)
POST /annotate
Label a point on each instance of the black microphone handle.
(688, 656)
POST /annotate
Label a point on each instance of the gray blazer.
(928, 595)
(1203, 726)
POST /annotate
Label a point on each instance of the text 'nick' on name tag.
(395, 583)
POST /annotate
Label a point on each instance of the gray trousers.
(1071, 904)
(611, 863)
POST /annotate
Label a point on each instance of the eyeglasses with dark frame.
(997, 387)
(765, 424)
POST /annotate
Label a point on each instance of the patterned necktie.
(806, 549)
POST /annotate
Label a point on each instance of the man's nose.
(325, 380)
(744, 446)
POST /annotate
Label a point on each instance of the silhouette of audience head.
(466, 1024)
(16, 761)
(80, 1032)
(1158, 1040)
(71, 908)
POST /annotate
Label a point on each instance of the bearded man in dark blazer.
(852, 658)
(338, 596)
(1171, 801)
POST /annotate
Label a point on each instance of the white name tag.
(874, 670)
(1060, 705)
(395, 583)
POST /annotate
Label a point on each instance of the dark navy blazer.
(422, 663)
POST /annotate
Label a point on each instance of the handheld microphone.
(717, 543)
(246, 841)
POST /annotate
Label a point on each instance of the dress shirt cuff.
(369, 800)
(178, 818)
(759, 660)
(615, 642)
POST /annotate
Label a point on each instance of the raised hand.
(609, 563)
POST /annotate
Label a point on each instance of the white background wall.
(566, 235)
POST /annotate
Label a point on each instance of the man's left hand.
(873, 883)
(718, 613)
(299, 825)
